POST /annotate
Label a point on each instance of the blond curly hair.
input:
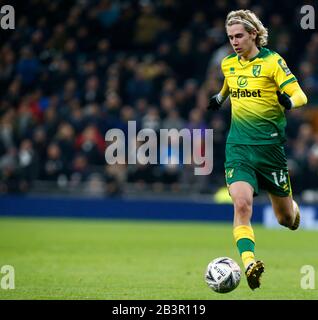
(250, 22)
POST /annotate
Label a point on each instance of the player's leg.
(286, 211)
(241, 193)
(242, 197)
(274, 177)
(243, 185)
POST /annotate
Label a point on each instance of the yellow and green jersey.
(257, 117)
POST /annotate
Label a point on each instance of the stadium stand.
(71, 70)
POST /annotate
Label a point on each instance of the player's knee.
(243, 206)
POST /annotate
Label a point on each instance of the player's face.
(242, 41)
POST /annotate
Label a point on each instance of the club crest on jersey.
(229, 173)
(257, 70)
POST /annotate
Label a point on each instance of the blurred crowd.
(71, 70)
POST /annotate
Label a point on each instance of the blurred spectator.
(108, 13)
(28, 67)
(79, 171)
(151, 119)
(28, 163)
(310, 171)
(65, 138)
(92, 144)
(115, 177)
(173, 120)
(54, 167)
(138, 87)
(147, 25)
(95, 185)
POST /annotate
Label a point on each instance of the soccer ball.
(223, 274)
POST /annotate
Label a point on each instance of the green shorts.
(262, 166)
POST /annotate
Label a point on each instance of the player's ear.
(253, 34)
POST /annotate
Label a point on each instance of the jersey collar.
(260, 54)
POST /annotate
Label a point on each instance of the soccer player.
(261, 87)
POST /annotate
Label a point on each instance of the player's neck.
(251, 54)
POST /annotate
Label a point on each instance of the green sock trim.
(245, 244)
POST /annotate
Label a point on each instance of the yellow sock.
(247, 258)
(245, 241)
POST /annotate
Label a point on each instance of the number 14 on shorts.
(282, 178)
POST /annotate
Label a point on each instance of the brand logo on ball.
(223, 275)
(242, 81)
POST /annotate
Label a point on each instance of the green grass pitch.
(115, 260)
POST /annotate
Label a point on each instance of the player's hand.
(284, 100)
(214, 103)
